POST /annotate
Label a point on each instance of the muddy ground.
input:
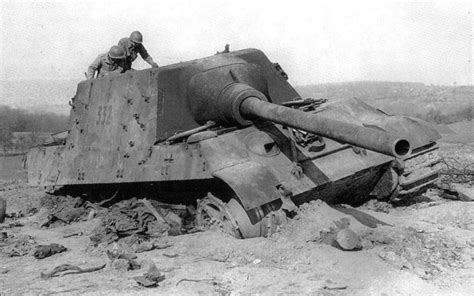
(426, 248)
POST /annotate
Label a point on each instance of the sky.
(314, 42)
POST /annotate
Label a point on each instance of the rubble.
(424, 253)
(15, 246)
(348, 240)
(151, 278)
(63, 210)
(122, 261)
(44, 251)
(127, 218)
(144, 246)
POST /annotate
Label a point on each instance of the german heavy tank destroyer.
(230, 134)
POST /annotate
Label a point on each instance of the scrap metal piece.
(67, 267)
(155, 213)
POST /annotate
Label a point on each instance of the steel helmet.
(116, 52)
(136, 37)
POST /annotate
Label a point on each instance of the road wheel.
(233, 219)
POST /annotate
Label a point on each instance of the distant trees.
(5, 135)
(436, 104)
(20, 120)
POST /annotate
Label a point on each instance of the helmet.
(136, 37)
(116, 52)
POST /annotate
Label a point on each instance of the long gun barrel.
(240, 103)
(213, 98)
(338, 130)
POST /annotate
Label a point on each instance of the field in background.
(436, 104)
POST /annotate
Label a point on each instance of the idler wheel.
(234, 220)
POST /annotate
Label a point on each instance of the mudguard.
(253, 183)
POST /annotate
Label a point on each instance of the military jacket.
(104, 66)
(132, 51)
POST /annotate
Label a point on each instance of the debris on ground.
(122, 261)
(63, 210)
(348, 240)
(340, 236)
(71, 234)
(13, 246)
(44, 251)
(145, 246)
(426, 254)
(30, 211)
(136, 217)
(173, 255)
(220, 287)
(61, 270)
(127, 218)
(318, 222)
(12, 225)
(465, 192)
(151, 278)
(331, 285)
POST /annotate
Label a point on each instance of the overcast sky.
(314, 42)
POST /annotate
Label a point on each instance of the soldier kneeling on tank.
(106, 64)
(133, 46)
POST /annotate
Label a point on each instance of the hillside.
(438, 104)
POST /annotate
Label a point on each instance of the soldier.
(109, 63)
(134, 46)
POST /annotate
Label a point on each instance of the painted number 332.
(104, 115)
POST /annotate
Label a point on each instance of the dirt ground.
(426, 248)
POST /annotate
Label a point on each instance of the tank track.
(418, 172)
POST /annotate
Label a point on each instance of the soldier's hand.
(154, 65)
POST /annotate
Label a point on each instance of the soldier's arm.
(146, 57)
(120, 69)
(113, 72)
(95, 66)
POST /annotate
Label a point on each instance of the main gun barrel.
(380, 141)
(240, 103)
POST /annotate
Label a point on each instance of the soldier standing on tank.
(134, 46)
(109, 63)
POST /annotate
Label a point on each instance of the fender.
(253, 183)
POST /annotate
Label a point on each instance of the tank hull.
(181, 130)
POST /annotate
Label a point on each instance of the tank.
(230, 135)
